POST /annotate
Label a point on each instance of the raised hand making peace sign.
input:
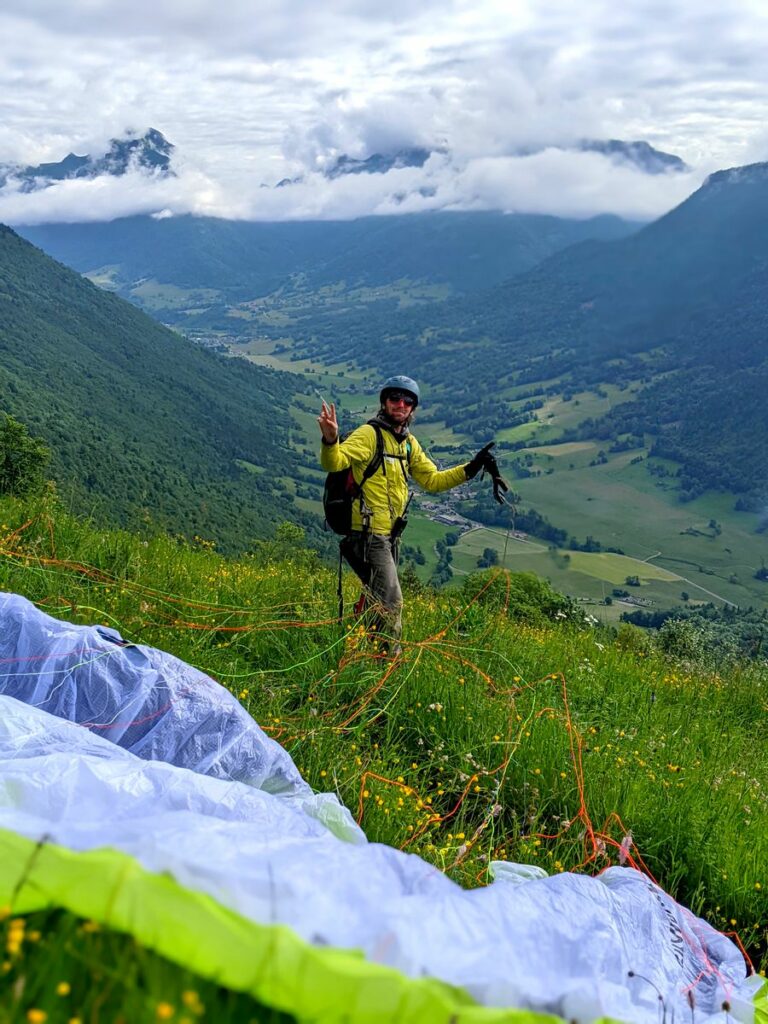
(328, 424)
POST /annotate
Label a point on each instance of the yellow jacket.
(386, 492)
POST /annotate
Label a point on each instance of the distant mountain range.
(639, 155)
(380, 163)
(150, 151)
(463, 252)
(153, 152)
(679, 305)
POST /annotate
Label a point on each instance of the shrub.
(22, 459)
(524, 596)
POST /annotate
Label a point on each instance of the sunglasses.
(401, 396)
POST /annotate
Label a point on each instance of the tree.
(22, 459)
(409, 580)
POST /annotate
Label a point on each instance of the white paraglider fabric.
(573, 945)
(142, 699)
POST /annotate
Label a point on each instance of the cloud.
(82, 200)
(570, 184)
(558, 182)
(251, 94)
(269, 30)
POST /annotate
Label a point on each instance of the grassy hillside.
(145, 429)
(510, 729)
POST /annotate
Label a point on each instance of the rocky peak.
(379, 163)
(151, 151)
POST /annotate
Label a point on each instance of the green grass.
(584, 405)
(105, 277)
(535, 557)
(262, 351)
(570, 448)
(423, 533)
(557, 415)
(593, 576)
(438, 432)
(616, 568)
(153, 296)
(72, 969)
(473, 721)
(339, 298)
(526, 431)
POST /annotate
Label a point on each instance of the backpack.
(341, 489)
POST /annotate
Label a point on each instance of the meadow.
(512, 728)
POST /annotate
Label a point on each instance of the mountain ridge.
(245, 260)
(639, 154)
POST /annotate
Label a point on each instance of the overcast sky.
(253, 91)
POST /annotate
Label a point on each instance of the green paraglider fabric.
(270, 962)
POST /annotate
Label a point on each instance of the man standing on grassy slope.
(379, 512)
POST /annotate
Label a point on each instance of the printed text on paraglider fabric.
(676, 935)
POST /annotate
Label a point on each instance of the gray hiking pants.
(374, 558)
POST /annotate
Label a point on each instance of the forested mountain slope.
(143, 426)
(465, 251)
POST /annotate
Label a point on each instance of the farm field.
(262, 352)
(620, 505)
(587, 576)
(668, 545)
(558, 414)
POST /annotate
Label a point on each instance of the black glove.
(499, 485)
(486, 462)
(480, 461)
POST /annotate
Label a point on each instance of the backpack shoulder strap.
(378, 455)
(408, 453)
